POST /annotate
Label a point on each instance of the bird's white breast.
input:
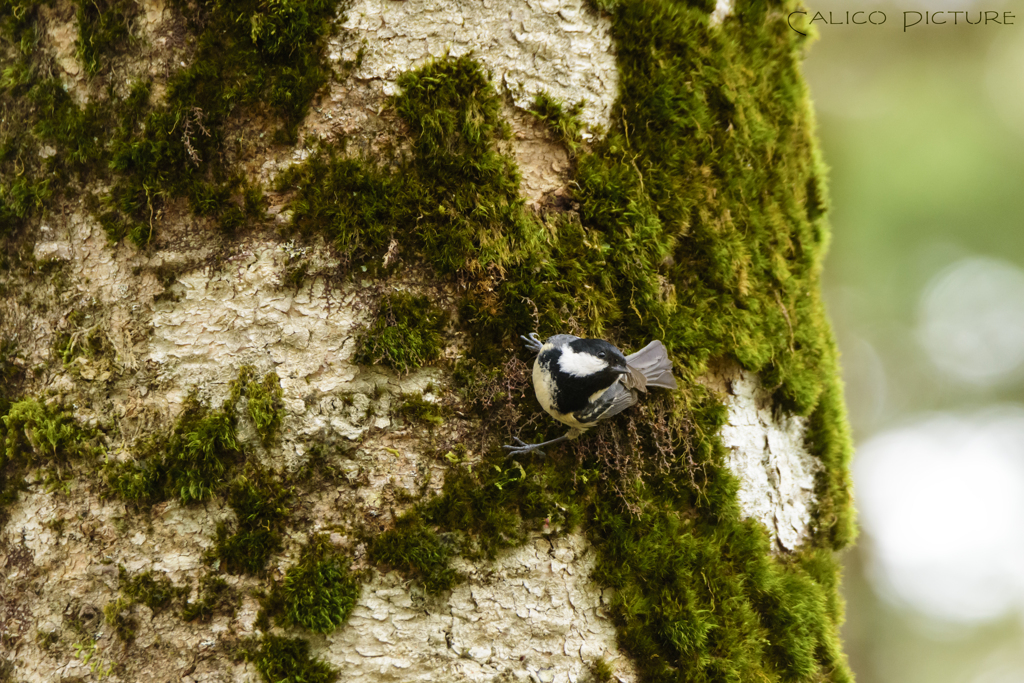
(542, 385)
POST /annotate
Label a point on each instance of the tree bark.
(376, 311)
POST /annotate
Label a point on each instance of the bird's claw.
(521, 448)
(533, 342)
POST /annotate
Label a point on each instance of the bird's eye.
(601, 355)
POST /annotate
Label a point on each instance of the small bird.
(582, 381)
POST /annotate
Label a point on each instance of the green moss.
(18, 22)
(600, 671)
(272, 55)
(46, 639)
(140, 481)
(190, 462)
(287, 660)
(415, 549)
(154, 591)
(319, 591)
(564, 122)
(480, 511)
(261, 505)
(215, 596)
(295, 275)
(407, 333)
(81, 340)
(125, 626)
(10, 377)
(415, 407)
(455, 205)
(828, 437)
(494, 506)
(104, 27)
(19, 200)
(692, 607)
(47, 140)
(264, 401)
(75, 133)
(37, 435)
(201, 447)
(49, 144)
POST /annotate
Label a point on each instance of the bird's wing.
(612, 402)
(635, 378)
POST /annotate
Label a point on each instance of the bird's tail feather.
(650, 367)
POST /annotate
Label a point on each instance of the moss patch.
(455, 205)
(189, 462)
(319, 591)
(478, 512)
(406, 333)
(272, 54)
(287, 660)
(84, 348)
(564, 122)
(416, 408)
(256, 56)
(152, 590)
(18, 22)
(416, 550)
(37, 435)
(263, 399)
(104, 28)
(261, 504)
(215, 596)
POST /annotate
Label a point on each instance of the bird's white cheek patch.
(579, 364)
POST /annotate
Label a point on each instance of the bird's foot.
(533, 342)
(521, 448)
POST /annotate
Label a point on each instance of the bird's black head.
(594, 359)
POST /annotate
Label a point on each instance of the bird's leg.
(533, 342)
(522, 448)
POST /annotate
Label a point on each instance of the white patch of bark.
(531, 615)
(562, 47)
(723, 8)
(767, 453)
(240, 314)
(543, 161)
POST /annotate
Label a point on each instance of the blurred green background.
(923, 131)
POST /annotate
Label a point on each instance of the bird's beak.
(620, 371)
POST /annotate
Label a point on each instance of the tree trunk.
(265, 269)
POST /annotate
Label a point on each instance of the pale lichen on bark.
(767, 454)
(562, 47)
(531, 615)
(723, 8)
